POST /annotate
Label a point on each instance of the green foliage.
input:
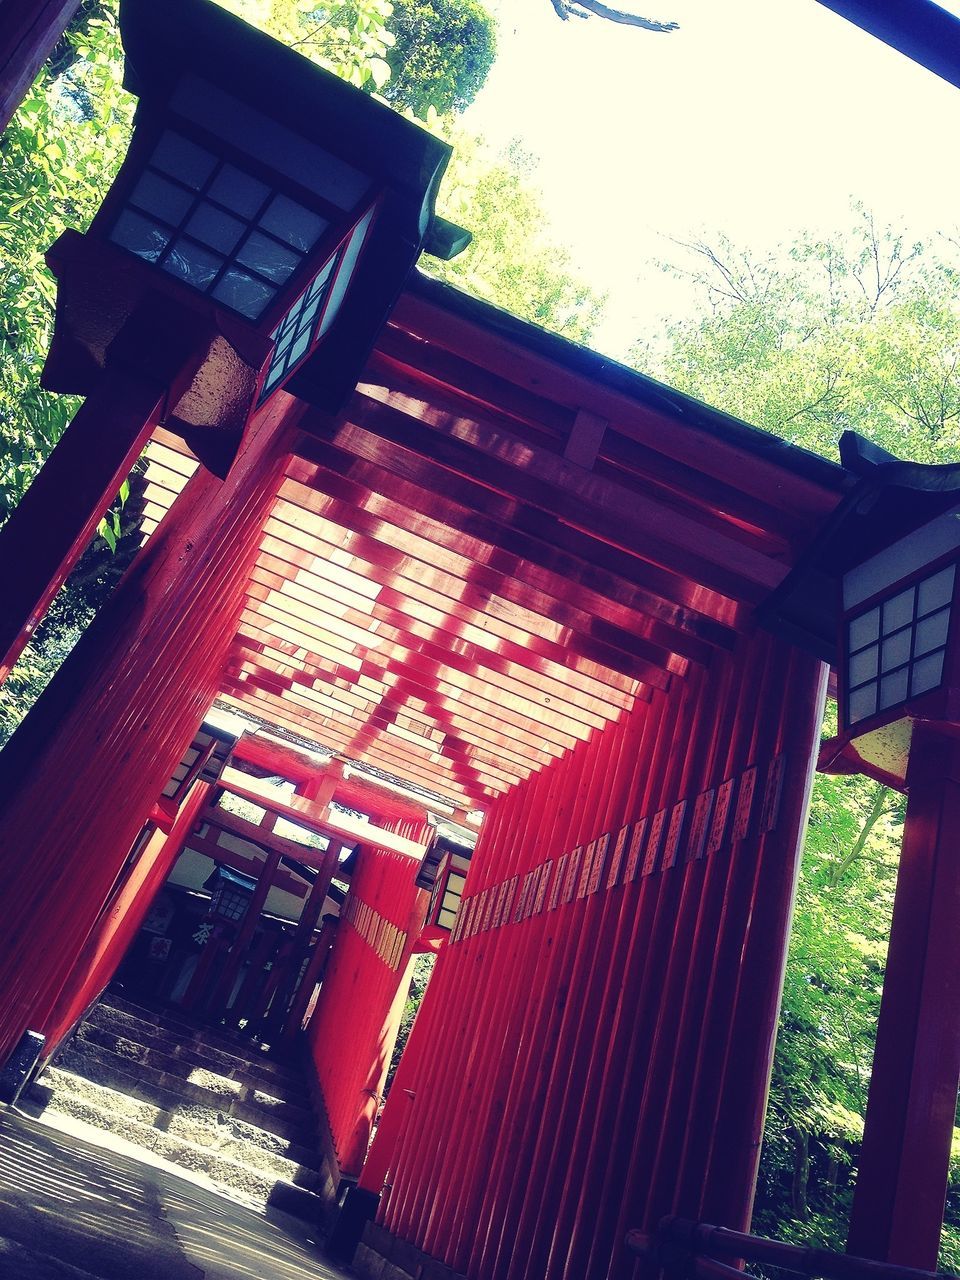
(85, 590)
(830, 1004)
(349, 39)
(422, 969)
(859, 332)
(511, 261)
(442, 52)
(56, 159)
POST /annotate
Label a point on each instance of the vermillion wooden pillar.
(57, 516)
(122, 917)
(79, 777)
(29, 29)
(901, 1185)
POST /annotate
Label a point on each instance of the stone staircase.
(202, 1098)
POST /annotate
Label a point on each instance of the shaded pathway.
(70, 1210)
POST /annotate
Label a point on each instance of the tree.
(442, 52)
(861, 331)
(596, 9)
(511, 260)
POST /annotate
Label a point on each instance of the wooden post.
(898, 1204)
(58, 515)
(28, 33)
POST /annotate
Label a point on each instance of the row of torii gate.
(512, 580)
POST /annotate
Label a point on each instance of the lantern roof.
(889, 499)
(165, 42)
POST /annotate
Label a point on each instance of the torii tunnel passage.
(508, 578)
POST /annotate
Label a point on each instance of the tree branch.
(586, 8)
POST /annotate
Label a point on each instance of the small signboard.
(654, 841)
(512, 885)
(635, 848)
(744, 811)
(721, 815)
(700, 825)
(559, 880)
(617, 857)
(531, 896)
(573, 870)
(772, 792)
(586, 866)
(600, 847)
(542, 885)
(489, 906)
(500, 915)
(671, 848)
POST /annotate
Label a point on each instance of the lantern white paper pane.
(927, 673)
(289, 220)
(269, 258)
(239, 191)
(932, 632)
(243, 293)
(215, 228)
(141, 236)
(936, 591)
(345, 271)
(192, 263)
(893, 689)
(898, 612)
(895, 651)
(865, 629)
(862, 703)
(300, 346)
(321, 279)
(863, 666)
(270, 142)
(156, 195)
(182, 158)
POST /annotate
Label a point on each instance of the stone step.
(180, 1023)
(200, 1046)
(169, 1092)
(197, 1144)
(183, 1062)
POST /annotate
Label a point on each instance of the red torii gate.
(567, 561)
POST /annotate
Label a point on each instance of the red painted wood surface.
(121, 919)
(28, 32)
(56, 518)
(357, 1016)
(80, 776)
(560, 1058)
(902, 1179)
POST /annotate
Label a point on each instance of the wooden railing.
(699, 1251)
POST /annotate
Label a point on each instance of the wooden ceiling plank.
(741, 467)
(466, 655)
(440, 726)
(458, 383)
(307, 554)
(473, 727)
(528, 717)
(394, 549)
(688, 553)
(537, 547)
(448, 669)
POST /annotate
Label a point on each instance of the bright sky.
(757, 118)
